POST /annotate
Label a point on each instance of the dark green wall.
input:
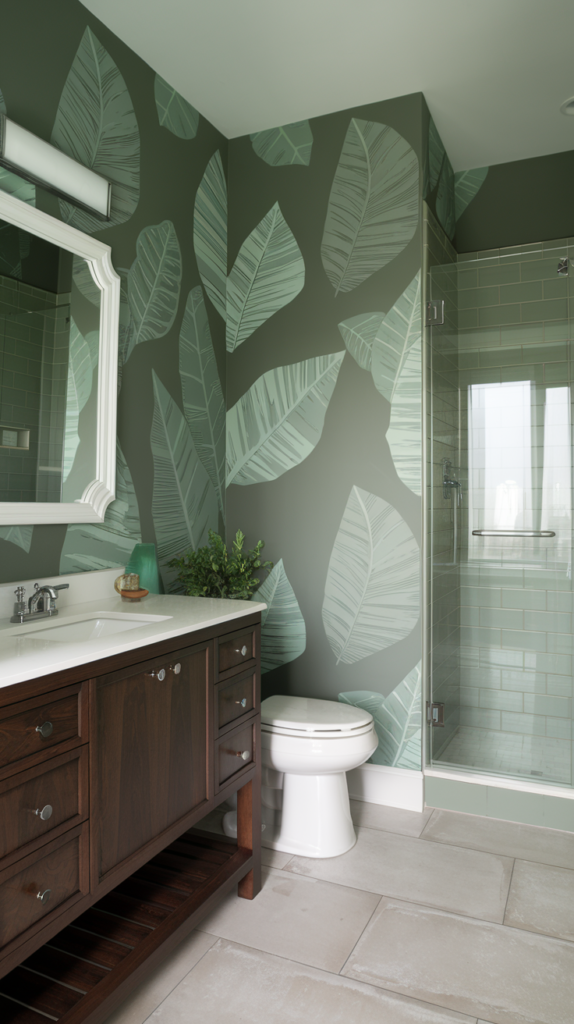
(520, 202)
(38, 44)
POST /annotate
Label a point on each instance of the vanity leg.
(249, 835)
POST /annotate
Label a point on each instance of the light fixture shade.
(43, 164)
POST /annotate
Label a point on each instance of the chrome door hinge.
(435, 714)
(435, 313)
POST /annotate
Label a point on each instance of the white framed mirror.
(71, 467)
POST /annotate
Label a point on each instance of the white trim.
(395, 787)
(499, 782)
(91, 507)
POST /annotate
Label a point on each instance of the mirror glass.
(49, 349)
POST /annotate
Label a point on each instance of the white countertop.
(24, 657)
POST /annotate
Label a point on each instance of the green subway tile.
(554, 622)
(560, 643)
(541, 704)
(524, 599)
(539, 269)
(488, 337)
(493, 315)
(469, 360)
(502, 618)
(467, 277)
(468, 318)
(529, 371)
(469, 697)
(556, 288)
(546, 309)
(559, 728)
(501, 700)
(505, 273)
(501, 356)
(523, 334)
(555, 243)
(480, 718)
(559, 664)
(551, 352)
(523, 640)
(556, 330)
(488, 257)
(525, 724)
(526, 291)
(480, 597)
(559, 686)
(556, 372)
(525, 682)
(475, 636)
(492, 657)
(469, 616)
(559, 601)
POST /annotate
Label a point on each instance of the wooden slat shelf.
(75, 976)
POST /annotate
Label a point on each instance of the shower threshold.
(541, 759)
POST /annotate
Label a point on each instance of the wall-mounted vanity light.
(42, 164)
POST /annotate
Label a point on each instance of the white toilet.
(306, 747)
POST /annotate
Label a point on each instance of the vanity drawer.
(35, 803)
(234, 699)
(234, 650)
(34, 887)
(234, 752)
(37, 724)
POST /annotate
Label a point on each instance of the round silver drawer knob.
(44, 896)
(160, 674)
(244, 754)
(45, 813)
(243, 650)
(242, 703)
(176, 669)
(45, 730)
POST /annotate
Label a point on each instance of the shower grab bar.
(513, 533)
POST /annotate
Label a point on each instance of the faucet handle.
(61, 586)
(20, 591)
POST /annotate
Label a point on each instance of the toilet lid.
(305, 714)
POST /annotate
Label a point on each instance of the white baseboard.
(395, 787)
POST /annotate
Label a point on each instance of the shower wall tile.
(526, 725)
(524, 641)
(558, 663)
(503, 617)
(557, 707)
(501, 700)
(559, 686)
(531, 599)
(526, 682)
(480, 718)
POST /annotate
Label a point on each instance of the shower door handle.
(513, 533)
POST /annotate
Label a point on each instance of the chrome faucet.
(41, 605)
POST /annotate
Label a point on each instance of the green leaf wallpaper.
(96, 125)
(83, 280)
(466, 185)
(373, 206)
(21, 536)
(404, 433)
(269, 272)
(78, 391)
(184, 504)
(286, 145)
(210, 232)
(359, 333)
(175, 113)
(398, 332)
(372, 591)
(203, 402)
(283, 633)
(279, 421)
(398, 721)
(15, 186)
(154, 282)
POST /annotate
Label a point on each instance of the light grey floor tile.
(274, 858)
(144, 1000)
(302, 919)
(542, 900)
(528, 842)
(503, 975)
(389, 819)
(464, 881)
(235, 983)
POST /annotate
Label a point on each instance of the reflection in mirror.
(48, 370)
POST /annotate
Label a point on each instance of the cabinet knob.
(45, 730)
(160, 674)
(243, 651)
(45, 813)
(243, 754)
(243, 702)
(44, 896)
(176, 669)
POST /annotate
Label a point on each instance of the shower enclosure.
(499, 483)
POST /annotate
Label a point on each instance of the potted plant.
(213, 571)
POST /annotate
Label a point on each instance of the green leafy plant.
(213, 571)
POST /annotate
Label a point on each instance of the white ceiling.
(493, 72)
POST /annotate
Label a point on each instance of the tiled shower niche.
(513, 622)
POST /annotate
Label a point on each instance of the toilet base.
(315, 820)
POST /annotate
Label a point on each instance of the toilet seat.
(306, 717)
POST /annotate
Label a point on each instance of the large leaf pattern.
(16, 186)
(21, 536)
(96, 125)
(210, 232)
(279, 421)
(372, 591)
(397, 334)
(283, 633)
(108, 544)
(184, 505)
(373, 206)
(203, 402)
(154, 282)
(359, 333)
(174, 113)
(404, 433)
(84, 282)
(268, 273)
(286, 145)
(466, 185)
(79, 388)
(398, 721)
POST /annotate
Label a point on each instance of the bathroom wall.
(155, 148)
(324, 407)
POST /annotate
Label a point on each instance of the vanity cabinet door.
(151, 760)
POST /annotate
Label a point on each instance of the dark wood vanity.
(104, 770)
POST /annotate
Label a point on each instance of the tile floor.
(432, 918)
(506, 753)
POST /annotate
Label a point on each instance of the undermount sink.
(89, 627)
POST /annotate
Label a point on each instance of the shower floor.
(540, 758)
